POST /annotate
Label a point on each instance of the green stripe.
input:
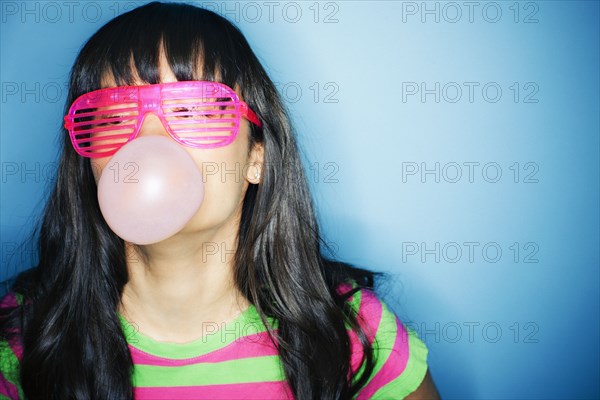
(355, 303)
(253, 369)
(413, 374)
(356, 297)
(216, 336)
(9, 366)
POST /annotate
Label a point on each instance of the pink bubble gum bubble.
(149, 190)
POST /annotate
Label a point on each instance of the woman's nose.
(152, 126)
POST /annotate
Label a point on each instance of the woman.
(264, 316)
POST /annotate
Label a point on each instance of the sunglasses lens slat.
(99, 132)
(107, 137)
(202, 121)
(225, 131)
(81, 113)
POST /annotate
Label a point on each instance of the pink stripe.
(8, 389)
(370, 310)
(16, 347)
(9, 300)
(343, 288)
(256, 345)
(394, 365)
(258, 391)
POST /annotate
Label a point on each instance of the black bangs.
(198, 45)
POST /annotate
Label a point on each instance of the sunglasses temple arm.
(250, 115)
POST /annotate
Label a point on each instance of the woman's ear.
(255, 164)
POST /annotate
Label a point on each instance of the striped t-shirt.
(237, 360)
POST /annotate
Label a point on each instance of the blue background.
(390, 167)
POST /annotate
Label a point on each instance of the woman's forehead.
(165, 74)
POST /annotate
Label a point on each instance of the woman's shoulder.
(10, 299)
(10, 338)
(400, 355)
(10, 350)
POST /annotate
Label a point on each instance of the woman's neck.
(179, 291)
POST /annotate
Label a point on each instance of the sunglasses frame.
(149, 99)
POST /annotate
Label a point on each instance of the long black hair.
(73, 343)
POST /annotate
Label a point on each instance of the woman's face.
(227, 171)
